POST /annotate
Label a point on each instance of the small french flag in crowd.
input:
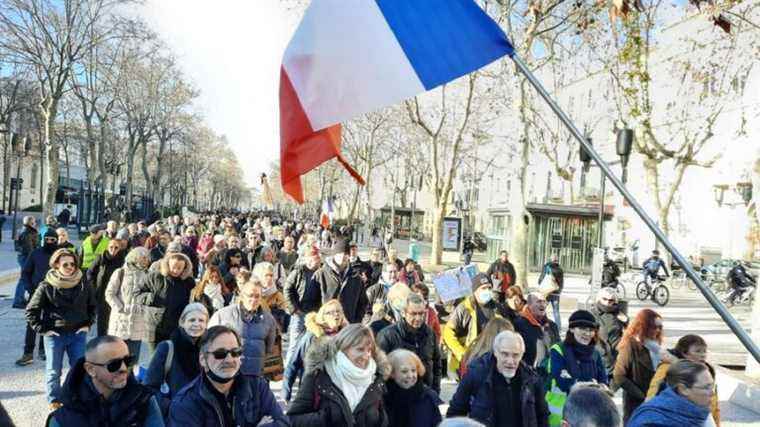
(351, 57)
(327, 213)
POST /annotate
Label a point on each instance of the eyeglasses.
(115, 365)
(68, 265)
(221, 354)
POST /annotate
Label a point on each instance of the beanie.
(122, 234)
(50, 232)
(479, 280)
(583, 319)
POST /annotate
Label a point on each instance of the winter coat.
(301, 292)
(183, 368)
(460, 331)
(295, 366)
(474, 396)
(418, 407)
(561, 372)
(98, 276)
(36, 266)
(196, 406)
(205, 244)
(320, 403)
(61, 310)
(422, 342)
(633, 373)
(612, 324)
(658, 383)
(669, 409)
(27, 241)
(170, 293)
(532, 334)
(127, 317)
(83, 405)
(345, 287)
(258, 334)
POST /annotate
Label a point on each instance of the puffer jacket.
(258, 334)
(172, 294)
(320, 403)
(61, 310)
(127, 317)
(474, 397)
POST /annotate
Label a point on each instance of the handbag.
(152, 316)
(548, 285)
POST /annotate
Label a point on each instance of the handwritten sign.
(455, 283)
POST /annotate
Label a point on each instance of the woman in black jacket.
(98, 276)
(167, 290)
(408, 401)
(344, 382)
(63, 310)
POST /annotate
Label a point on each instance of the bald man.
(502, 386)
(101, 390)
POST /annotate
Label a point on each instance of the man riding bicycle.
(740, 282)
(651, 267)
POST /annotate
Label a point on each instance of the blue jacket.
(669, 409)
(474, 397)
(565, 380)
(196, 406)
(183, 352)
(36, 267)
(295, 367)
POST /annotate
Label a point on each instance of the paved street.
(22, 389)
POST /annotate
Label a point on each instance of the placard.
(455, 283)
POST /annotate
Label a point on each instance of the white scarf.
(352, 380)
(214, 292)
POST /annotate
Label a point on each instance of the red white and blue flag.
(325, 219)
(351, 57)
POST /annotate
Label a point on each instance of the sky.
(232, 52)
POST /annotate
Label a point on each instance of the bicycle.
(657, 291)
(618, 287)
(679, 278)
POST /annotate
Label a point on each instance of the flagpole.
(711, 298)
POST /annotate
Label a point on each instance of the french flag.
(351, 57)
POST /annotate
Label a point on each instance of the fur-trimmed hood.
(324, 348)
(163, 266)
(310, 321)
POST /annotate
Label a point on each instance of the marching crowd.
(186, 321)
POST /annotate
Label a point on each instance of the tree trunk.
(48, 111)
(436, 254)
(6, 173)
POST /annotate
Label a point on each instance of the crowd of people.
(186, 321)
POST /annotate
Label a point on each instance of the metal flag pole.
(711, 298)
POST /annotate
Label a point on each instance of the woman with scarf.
(408, 401)
(574, 360)
(211, 291)
(127, 319)
(62, 309)
(325, 323)
(344, 382)
(639, 354)
(98, 276)
(175, 362)
(685, 401)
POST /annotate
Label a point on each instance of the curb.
(738, 389)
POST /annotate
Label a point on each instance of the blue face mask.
(484, 296)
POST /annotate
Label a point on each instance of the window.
(33, 179)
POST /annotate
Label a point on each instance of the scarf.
(214, 292)
(669, 409)
(62, 282)
(268, 292)
(400, 402)
(654, 352)
(580, 361)
(352, 380)
(528, 315)
(185, 353)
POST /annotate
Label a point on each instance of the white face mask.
(484, 296)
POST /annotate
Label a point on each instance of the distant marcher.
(211, 291)
(553, 270)
(26, 242)
(502, 274)
(93, 246)
(63, 239)
(612, 323)
(302, 296)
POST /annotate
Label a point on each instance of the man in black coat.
(301, 296)
(35, 268)
(24, 244)
(539, 333)
(98, 276)
(411, 333)
(336, 280)
(499, 390)
(101, 390)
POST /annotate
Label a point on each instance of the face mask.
(485, 296)
(217, 379)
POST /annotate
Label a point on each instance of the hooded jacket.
(127, 319)
(669, 409)
(54, 308)
(83, 406)
(170, 293)
(475, 397)
(345, 287)
(321, 403)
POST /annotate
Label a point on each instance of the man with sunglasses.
(101, 390)
(220, 397)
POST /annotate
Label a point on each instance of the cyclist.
(651, 267)
(740, 282)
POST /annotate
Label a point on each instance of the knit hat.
(583, 319)
(122, 234)
(50, 233)
(479, 280)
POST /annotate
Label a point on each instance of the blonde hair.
(260, 269)
(320, 316)
(396, 357)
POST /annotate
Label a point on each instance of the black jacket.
(171, 293)
(415, 407)
(300, 292)
(61, 310)
(475, 398)
(345, 287)
(84, 406)
(98, 275)
(423, 343)
(320, 403)
(27, 241)
(36, 266)
(532, 334)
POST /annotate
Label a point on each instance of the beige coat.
(127, 320)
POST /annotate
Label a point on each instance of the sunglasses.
(68, 264)
(221, 354)
(115, 364)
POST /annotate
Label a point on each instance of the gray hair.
(192, 308)
(534, 296)
(589, 405)
(506, 335)
(412, 298)
(684, 372)
(28, 220)
(135, 255)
